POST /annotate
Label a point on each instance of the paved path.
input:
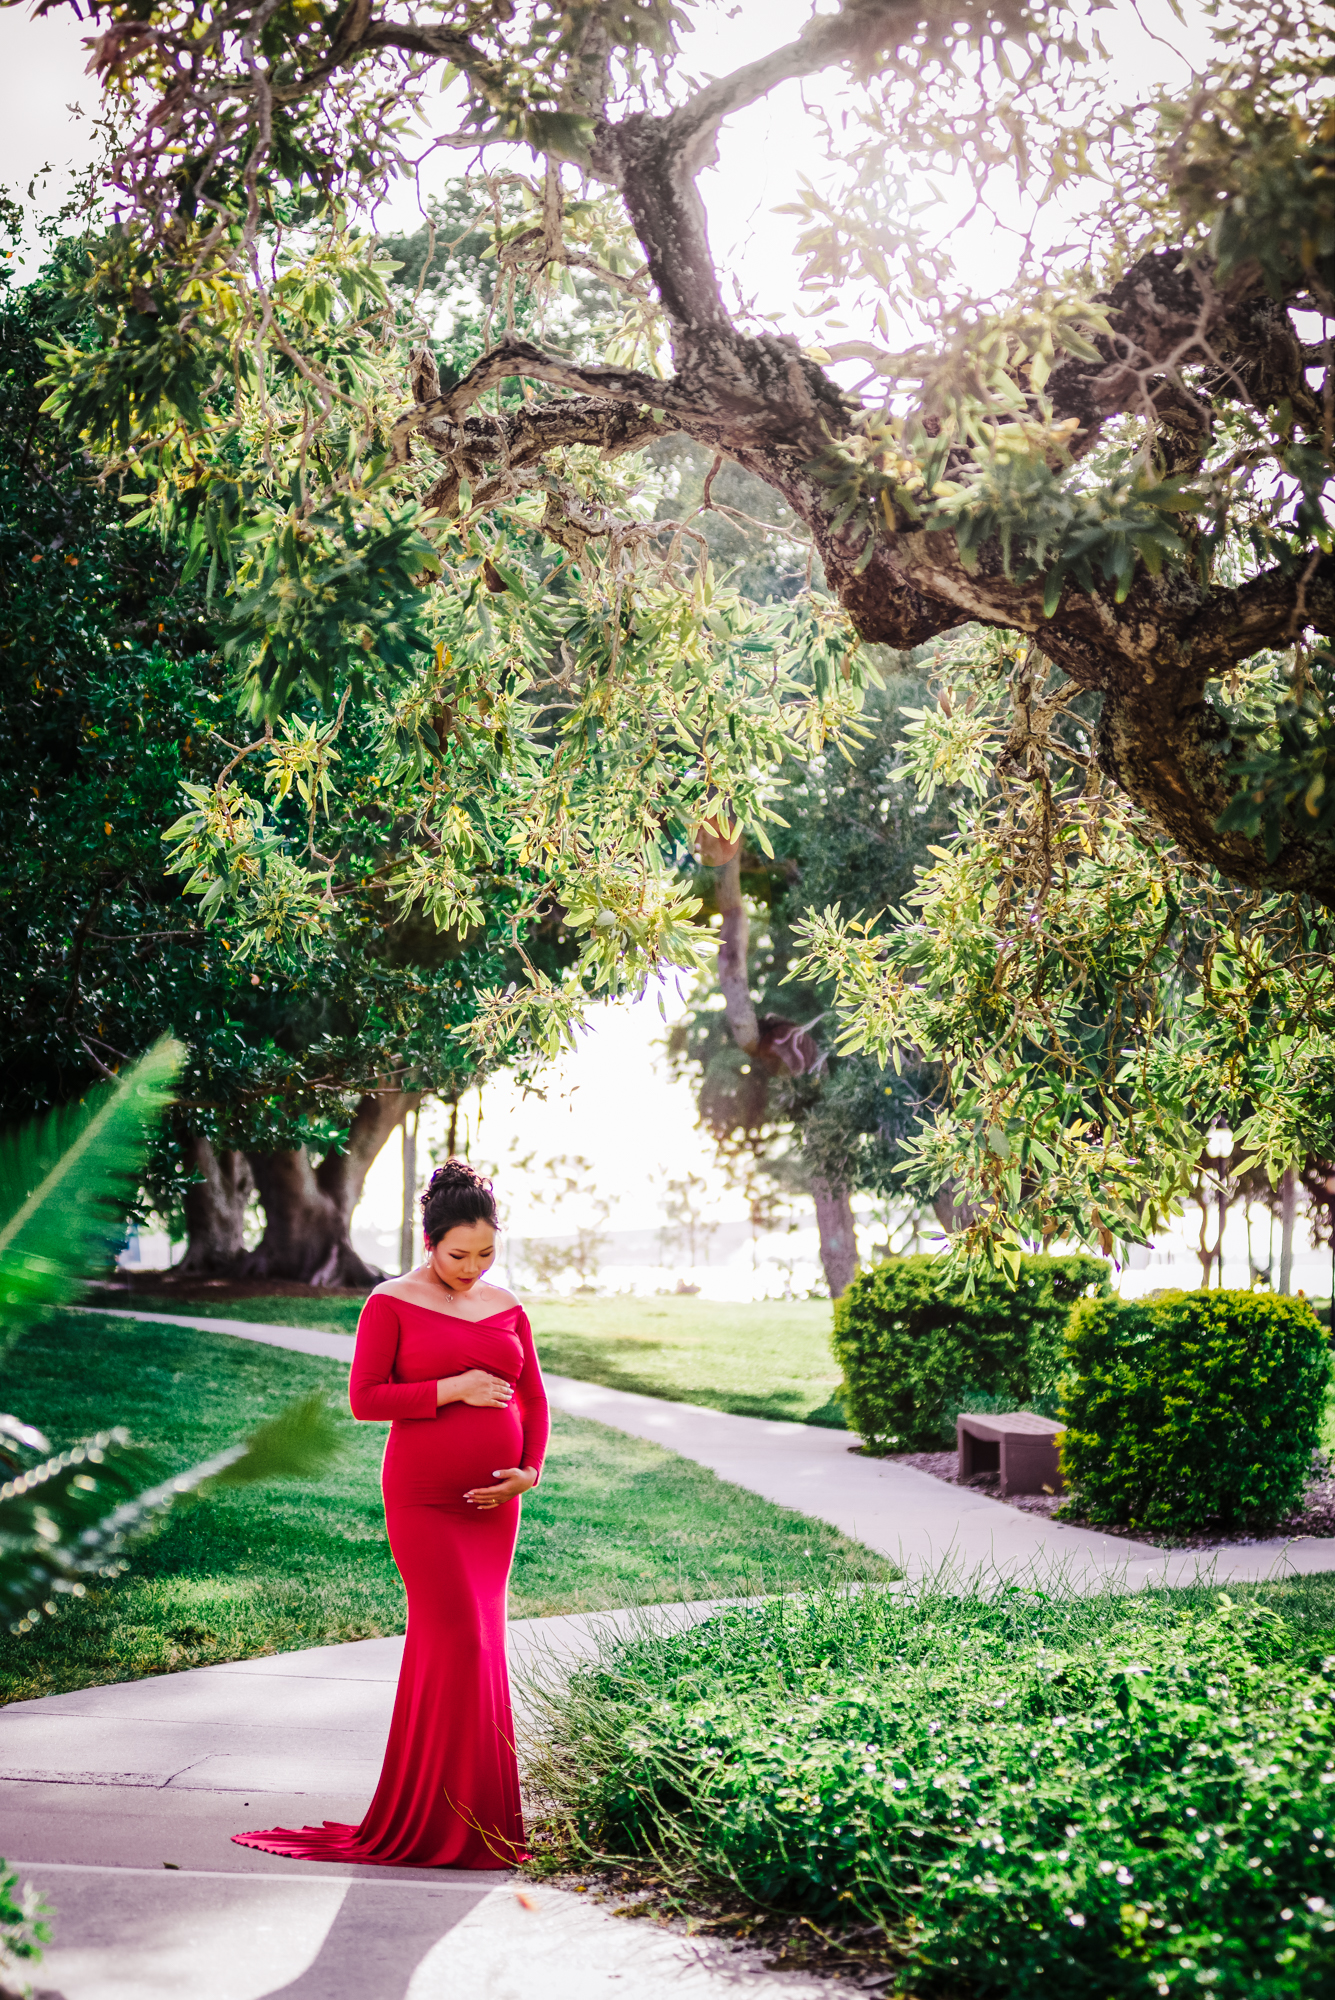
(917, 1521)
(120, 1802)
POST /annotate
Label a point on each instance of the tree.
(114, 695)
(1091, 1000)
(1124, 462)
(568, 1181)
(687, 1230)
(561, 722)
(767, 1069)
(1079, 465)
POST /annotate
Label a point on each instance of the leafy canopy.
(113, 696)
(1119, 467)
(1091, 999)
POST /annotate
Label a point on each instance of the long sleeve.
(372, 1391)
(531, 1397)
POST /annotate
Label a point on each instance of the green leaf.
(1075, 343)
(64, 1181)
(67, 1522)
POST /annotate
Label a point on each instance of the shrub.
(23, 1931)
(1014, 1794)
(1192, 1410)
(915, 1353)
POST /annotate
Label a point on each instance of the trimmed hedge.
(914, 1354)
(1192, 1410)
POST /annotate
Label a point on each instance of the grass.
(982, 1792)
(769, 1360)
(616, 1521)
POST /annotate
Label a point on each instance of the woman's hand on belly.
(512, 1481)
(476, 1387)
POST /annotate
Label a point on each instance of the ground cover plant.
(1193, 1409)
(766, 1360)
(616, 1521)
(983, 1790)
(916, 1351)
(23, 1931)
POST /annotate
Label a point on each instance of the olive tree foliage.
(1118, 467)
(1090, 998)
(569, 676)
(303, 1050)
(961, 485)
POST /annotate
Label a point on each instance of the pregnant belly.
(433, 1461)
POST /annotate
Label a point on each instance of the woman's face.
(463, 1254)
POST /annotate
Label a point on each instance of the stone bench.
(1016, 1444)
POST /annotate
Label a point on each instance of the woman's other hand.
(512, 1481)
(476, 1387)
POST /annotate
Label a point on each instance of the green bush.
(914, 1354)
(23, 1931)
(1192, 1410)
(997, 1793)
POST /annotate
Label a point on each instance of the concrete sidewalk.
(119, 1803)
(917, 1521)
(286, 1723)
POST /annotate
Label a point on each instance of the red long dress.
(448, 1795)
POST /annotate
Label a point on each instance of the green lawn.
(770, 1360)
(304, 1563)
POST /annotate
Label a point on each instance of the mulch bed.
(1315, 1519)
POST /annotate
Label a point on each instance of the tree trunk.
(215, 1209)
(734, 943)
(838, 1238)
(408, 1228)
(308, 1209)
(775, 1042)
(1288, 1212)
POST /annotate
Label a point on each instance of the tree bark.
(734, 946)
(777, 1044)
(216, 1200)
(308, 1209)
(838, 1237)
(1288, 1213)
(408, 1225)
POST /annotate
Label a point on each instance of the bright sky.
(611, 1102)
(764, 150)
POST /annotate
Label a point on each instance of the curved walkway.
(917, 1521)
(119, 1803)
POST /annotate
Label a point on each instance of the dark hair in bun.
(455, 1194)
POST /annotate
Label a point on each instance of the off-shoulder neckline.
(434, 1313)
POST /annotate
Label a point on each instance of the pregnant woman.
(448, 1359)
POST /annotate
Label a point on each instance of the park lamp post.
(1219, 1147)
